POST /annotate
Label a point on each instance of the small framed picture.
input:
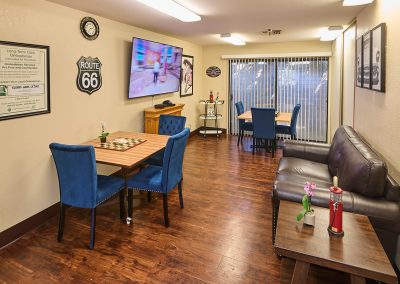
(378, 57)
(359, 62)
(366, 83)
(187, 76)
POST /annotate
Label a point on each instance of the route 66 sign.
(89, 74)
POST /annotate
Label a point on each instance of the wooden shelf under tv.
(152, 116)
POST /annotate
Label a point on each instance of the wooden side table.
(152, 116)
(358, 253)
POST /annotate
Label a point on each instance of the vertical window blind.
(281, 83)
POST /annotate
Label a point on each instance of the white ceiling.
(299, 19)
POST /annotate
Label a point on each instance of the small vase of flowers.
(104, 134)
(307, 213)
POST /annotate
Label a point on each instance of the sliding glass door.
(282, 83)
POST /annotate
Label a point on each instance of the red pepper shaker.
(211, 97)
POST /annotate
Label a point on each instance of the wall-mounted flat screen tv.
(155, 68)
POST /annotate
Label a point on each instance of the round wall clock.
(90, 28)
(213, 71)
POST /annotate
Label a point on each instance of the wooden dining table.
(280, 117)
(130, 158)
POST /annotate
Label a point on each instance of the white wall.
(377, 115)
(335, 79)
(28, 178)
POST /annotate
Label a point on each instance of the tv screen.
(155, 68)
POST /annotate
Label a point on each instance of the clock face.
(90, 28)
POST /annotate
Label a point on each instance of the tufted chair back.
(76, 169)
(293, 122)
(171, 124)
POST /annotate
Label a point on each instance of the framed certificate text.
(24, 80)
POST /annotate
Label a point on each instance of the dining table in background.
(280, 116)
(128, 159)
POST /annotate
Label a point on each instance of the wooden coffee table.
(358, 253)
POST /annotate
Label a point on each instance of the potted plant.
(104, 134)
(307, 212)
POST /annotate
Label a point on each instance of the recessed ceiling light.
(232, 39)
(356, 2)
(172, 9)
(331, 33)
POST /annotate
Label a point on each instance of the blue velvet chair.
(290, 129)
(263, 127)
(164, 179)
(80, 185)
(243, 125)
(168, 125)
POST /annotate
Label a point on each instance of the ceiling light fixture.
(331, 33)
(172, 9)
(232, 39)
(356, 2)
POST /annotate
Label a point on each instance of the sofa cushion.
(291, 187)
(311, 171)
(376, 207)
(359, 169)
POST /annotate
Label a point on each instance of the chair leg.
(180, 194)
(239, 137)
(254, 144)
(61, 222)
(165, 204)
(93, 228)
(273, 142)
(149, 196)
(122, 204)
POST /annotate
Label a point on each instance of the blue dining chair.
(80, 185)
(263, 127)
(164, 179)
(290, 129)
(243, 125)
(168, 125)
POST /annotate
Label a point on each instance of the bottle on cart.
(216, 99)
(211, 97)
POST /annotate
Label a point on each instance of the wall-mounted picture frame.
(366, 82)
(24, 79)
(378, 58)
(359, 62)
(187, 76)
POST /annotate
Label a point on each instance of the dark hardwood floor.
(223, 235)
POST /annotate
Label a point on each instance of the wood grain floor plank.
(223, 235)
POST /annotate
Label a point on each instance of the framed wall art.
(378, 57)
(24, 80)
(366, 82)
(187, 76)
(359, 62)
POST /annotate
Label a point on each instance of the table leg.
(300, 272)
(130, 205)
(355, 279)
(124, 174)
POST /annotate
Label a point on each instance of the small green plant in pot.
(307, 213)
(104, 134)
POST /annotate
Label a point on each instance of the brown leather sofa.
(369, 190)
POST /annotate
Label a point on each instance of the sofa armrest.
(316, 152)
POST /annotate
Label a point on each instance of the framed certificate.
(24, 80)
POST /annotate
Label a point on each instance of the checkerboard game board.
(112, 145)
